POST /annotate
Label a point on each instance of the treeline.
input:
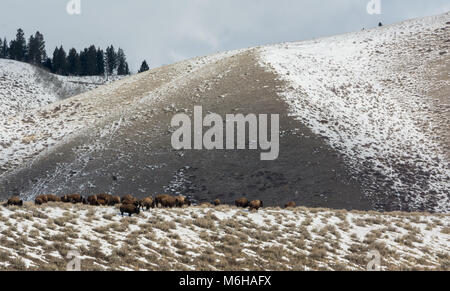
(91, 61)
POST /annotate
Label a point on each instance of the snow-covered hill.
(24, 87)
(370, 94)
(365, 121)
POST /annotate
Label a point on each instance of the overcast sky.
(165, 31)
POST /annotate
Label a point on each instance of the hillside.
(364, 120)
(24, 87)
(222, 238)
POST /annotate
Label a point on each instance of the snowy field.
(366, 93)
(222, 238)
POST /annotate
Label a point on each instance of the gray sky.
(165, 31)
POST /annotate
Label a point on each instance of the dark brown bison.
(114, 200)
(128, 199)
(104, 199)
(147, 203)
(182, 201)
(102, 202)
(256, 205)
(242, 202)
(92, 200)
(65, 199)
(72, 198)
(53, 198)
(14, 201)
(217, 202)
(159, 198)
(291, 204)
(43, 198)
(38, 201)
(168, 201)
(129, 209)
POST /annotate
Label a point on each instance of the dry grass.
(221, 238)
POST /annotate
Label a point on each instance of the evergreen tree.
(111, 60)
(48, 64)
(33, 55)
(36, 53)
(122, 68)
(144, 67)
(40, 44)
(18, 47)
(1, 46)
(91, 61)
(59, 61)
(83, 63)
(73, 63)
(4, 50)
(100, 62)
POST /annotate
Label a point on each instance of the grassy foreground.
(223, 238)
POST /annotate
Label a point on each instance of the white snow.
(24, 87)
(429, 238)
(365, 93)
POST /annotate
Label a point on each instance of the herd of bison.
(131, 205)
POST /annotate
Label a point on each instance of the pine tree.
(18, 47)
(1, 46)
(4, 50)
(122, 68)
(73, 63)
(144, 67)
(48, 64)
(111, 60)
(100, 62)
(91, 61)
(36, 53)
(40, 44)
(31, 50)
(59, 61)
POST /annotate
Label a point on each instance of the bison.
(291, 204)
(159, 198)
(92, 200)
(168, 201)
(39, 201)
(53, 198)
(181, 201)
(129, 209)
(256, 205)
(14, 201)
(242, 202)
(65, 199)
(217, 202)
(114, 201)
(148, 203)
(102, 202)
(128, 199)
(43, 198)
(72, 198)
